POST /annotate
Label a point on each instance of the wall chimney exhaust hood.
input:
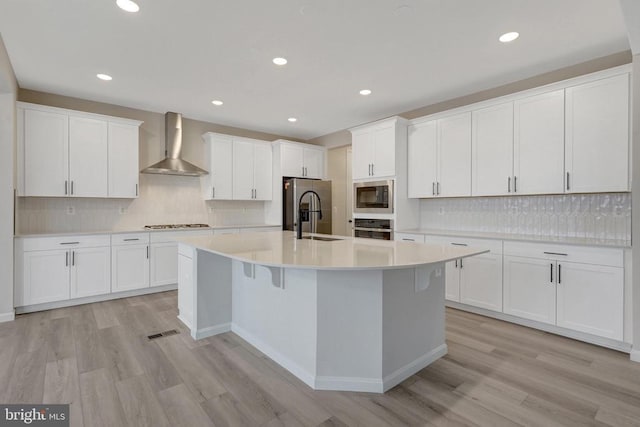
(173, 163)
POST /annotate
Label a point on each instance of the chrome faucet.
(304, 214)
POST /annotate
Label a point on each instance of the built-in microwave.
(373, 197)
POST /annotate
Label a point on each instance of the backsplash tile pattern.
(599, 216)
(163, 200)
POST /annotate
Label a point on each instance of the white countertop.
(612, 243)
(282, 249)
(143, 230)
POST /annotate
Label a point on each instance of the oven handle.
(383, 230)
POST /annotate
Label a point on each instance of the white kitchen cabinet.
(129, 261)
(66, 153)
(164, 263)
(46, 277)
(124, 168)
(185, 284)
(252, 170)
(88, 162)
(590, 298)
(439, 163)
(529, 288)
(217, 184)
(538, 146)
(452, 281)
(90, 271)
(374, 149)
(597, 136)
(492, 150)
(301, 160)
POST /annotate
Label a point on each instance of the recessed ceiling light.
(509, 37)
(128, 5)
(105, 77)
(292, 119)
(279, 61)
(217, 102)
(365, 92)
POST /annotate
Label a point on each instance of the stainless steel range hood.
(173, 163)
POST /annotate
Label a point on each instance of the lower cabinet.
(529, 291)
(129, 262)
(90, 272)
(46, 277)
(164, 263)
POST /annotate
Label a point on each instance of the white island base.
(350, 329)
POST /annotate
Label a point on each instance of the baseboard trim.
(367, 385)
(8, 317)
(184, 321)
(635, 356)
(211, 330)
(282, 360)
(401, 374)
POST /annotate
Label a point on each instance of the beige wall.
(337, 172)
(8, 90)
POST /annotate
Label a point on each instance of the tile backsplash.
(163, 200)
(599, 216)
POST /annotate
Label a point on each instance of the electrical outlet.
(122, 210)
(441, 210)
(71, 210)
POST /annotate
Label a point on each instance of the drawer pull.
(408, 240)
(555, 253)
(551, 279)
(131, 240)
(70, 243)
(459, 244)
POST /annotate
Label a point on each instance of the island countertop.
(282, 249)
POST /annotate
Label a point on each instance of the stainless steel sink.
(323, 239)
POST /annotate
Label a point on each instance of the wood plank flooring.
(97, 358)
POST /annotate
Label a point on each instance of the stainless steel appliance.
(292, 189)
(381, 229)
(174, 226)
(373, 197)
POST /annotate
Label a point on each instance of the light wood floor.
(97, 358)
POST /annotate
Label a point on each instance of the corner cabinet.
(374, 148)
(65, 153)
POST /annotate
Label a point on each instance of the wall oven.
(373, 197)
(381, 229)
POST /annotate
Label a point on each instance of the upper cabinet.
(375, 147)
(597, 136)
(216, 185)
(301, 160)
(439, 157)
(64, 153)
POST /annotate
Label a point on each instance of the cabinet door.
(222, 169)
(452, 281)
(422, 160)
(90, 272)
(88, 153)
(314, 163)
(384, 161)
(129, 267)
(164, 264)
(362, 155)
(46, 153)
(538, 156)
(292, 160)
(185, 290)
(46, 276)
(529, 288)
(481, 281)
(262, 171)
(454, 154)
(123, 160)
(242, 170)
(492, 150)
(597, 136)
(591, 299)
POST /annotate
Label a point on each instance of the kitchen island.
(339, 313)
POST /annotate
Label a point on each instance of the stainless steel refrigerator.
(292, 189)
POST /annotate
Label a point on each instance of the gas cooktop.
(173, 226)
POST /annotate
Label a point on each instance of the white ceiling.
(178, 55)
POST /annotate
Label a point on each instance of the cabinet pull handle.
(551, 277)
(66, 187)
(438, 188)
(433, 188)
(461, 263)
(136, 190)
(72, 187)
(147, 252)
(66, 259)
(73, 257)
(131, 240)
(213, 192)
(559, 273)
(459, 244)
(69, 243)
(568, 181)
(555, 253)
(408, 240)
(372, 172)
(456, 263)
(515, 184)
(509, 185)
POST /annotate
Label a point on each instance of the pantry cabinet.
(301, 160)
(375, 148)
(252, 170)
(65, 153)
(597, 136)
(217, 184)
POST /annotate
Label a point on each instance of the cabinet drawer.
(583, 254)
(129, 239)
(171, 236)
(68, 242)
(409, 237)
(494, 246)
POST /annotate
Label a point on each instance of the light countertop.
(611, 243)
(282, 249)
